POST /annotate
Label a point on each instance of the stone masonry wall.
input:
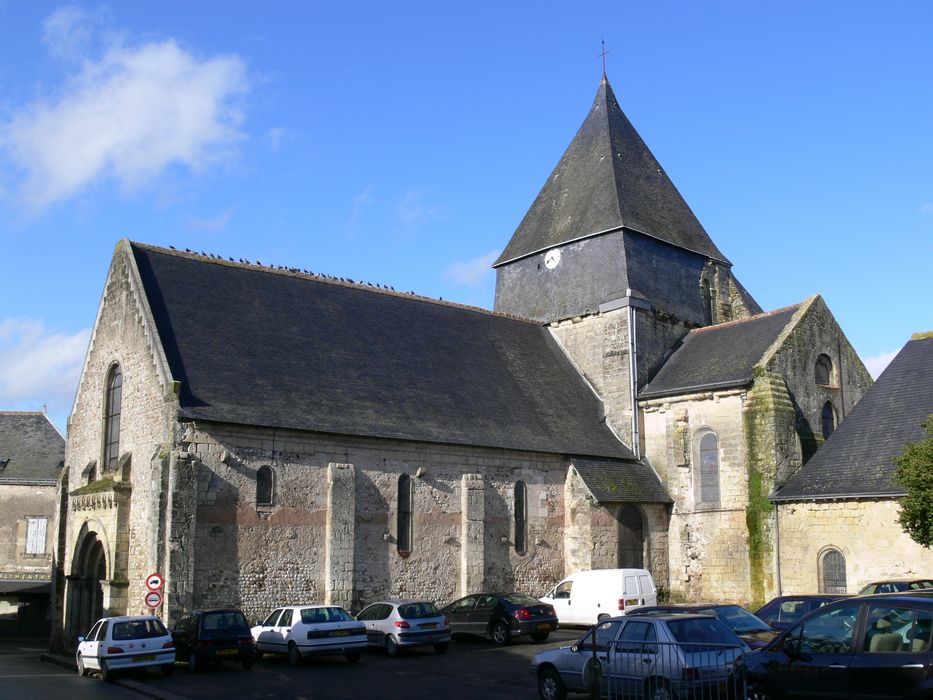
(123, 334)
(864, 531)
(18, 503)
(257, 557)
(708, 545)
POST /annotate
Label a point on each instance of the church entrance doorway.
(631, 537)
(85, 592)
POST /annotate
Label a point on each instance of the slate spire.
(607, 180)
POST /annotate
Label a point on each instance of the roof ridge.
(326, 279)
(747, 318)
(22, 413)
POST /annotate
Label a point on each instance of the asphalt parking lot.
(472, 668)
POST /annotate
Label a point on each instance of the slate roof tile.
(617, 481)
(33, 447)
(257, 346)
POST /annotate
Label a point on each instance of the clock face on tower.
(552, 258)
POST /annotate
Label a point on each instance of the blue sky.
(401, 143)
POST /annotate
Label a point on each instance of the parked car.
(303, 630)
(585, 597)
(870, 647)
(394, 625)
(501, 616)
(119, 643)
(784, 611)
(210, 636)
(897, 585)
(659, 657)
(751, 630)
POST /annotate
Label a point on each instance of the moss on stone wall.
(100, 486)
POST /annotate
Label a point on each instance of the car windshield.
(519, 599)
(317, 615)
(413, 611)
(702, 630)
(224, 620)
(738, 619)
(137, 629)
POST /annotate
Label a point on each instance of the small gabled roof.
(258, 346)
(30, 447)
(616, 481)
(607, 179)
(856, 460)
(719, 357)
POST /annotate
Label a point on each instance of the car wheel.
(540, 636)
(391, 645)
(658, 689)
(294, 656)
(441, 648)
(500, 633)
(168, 669)
(757, 692)
(194, 664)
(353, 656)
(105, 673)
(550, 685)
(247, 663)
(258, 655)
(80, 664)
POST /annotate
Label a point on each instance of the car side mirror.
(80, 639)
(575, 648)
(791, 647)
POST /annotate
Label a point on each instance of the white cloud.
(70, 31)
(39, 366)
(215, 224)
(413, 211)
(876, 365)
(274, 138)
(472, 271)
(126, 116)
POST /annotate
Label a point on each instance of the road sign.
(153, 599)
(154, 582)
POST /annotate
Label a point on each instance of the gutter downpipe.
(777, 545)
(633, 378)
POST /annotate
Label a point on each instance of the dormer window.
(824, 370)
(3, 462)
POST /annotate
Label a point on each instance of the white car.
(398, 624)
(304, 630)
(119, 643)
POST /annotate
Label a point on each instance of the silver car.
(399, 624)
(658, 657)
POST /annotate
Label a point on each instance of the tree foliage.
(915, 473)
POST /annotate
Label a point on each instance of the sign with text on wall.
(153, 600)
(154, 582)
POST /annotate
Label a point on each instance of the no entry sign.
(153, 599)
(154, 582)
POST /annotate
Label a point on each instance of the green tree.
(915, 473)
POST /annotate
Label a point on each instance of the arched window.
(707, 485)
(265, 486)
(829, 419)
(521, 526)
(824, 370)
(112, 417)
(832, 572)
(403, 526)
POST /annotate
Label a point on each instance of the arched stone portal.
(631, 537)
(85, 585)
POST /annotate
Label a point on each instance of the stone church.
(263, 436)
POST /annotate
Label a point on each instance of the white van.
(585, 597)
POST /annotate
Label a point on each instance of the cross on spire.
(603, 55)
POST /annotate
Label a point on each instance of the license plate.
(631, 601)
(144, 657)
(340, 633)
(227, 652)
(429, 626)
(544, 625)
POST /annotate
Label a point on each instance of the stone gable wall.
(864, 531)
(18, 503)
(122, 334)
(257, 557)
